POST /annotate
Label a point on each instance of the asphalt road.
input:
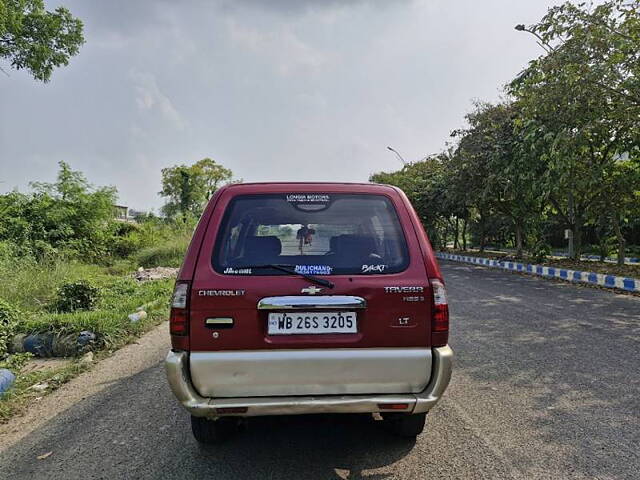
(546, 385)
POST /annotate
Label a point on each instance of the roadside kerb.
(600, 279)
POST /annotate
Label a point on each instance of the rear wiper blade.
(292, 270)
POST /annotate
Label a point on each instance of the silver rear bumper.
(177, 370)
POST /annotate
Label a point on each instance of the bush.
(168, 255)
(124, 239)
(80, 295)
(540, 252)
(9, 317)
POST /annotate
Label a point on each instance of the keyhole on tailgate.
(215, 334)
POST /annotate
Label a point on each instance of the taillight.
(179, 316)
(393, 406)
(440, 316)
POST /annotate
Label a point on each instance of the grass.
(169, 254)
(111, 324)
(110, 320)
(31, 287)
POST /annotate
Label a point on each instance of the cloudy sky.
(273, 89)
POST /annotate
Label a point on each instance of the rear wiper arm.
(292, 269)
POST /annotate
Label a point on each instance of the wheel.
(213, 431)
(404, 424)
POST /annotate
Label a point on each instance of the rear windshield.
(313, 233)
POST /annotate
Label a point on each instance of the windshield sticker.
(237, 271)
(308, 198)
(373, 268)
(314, 269)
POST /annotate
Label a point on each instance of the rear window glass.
(313, 233)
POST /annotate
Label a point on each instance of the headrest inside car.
(357, 246)
(262, 246)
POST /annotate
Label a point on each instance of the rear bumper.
(177, 369)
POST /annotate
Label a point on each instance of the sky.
(275, 90)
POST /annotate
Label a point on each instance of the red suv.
(299, 298)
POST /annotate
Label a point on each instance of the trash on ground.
(87, 358)
(136, 317)
(45, 345)
(157, 273)
(6, 380)
(39, 387)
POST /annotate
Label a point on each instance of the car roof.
(293, 187)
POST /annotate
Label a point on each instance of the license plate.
(290, 323)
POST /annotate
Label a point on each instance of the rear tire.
(213, 431)
(405, 425)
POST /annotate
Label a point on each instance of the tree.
(619, 202)
(38, 40)
(580, 103)
(68, 214)
(213, 175)
(188, 188)
(423, 182)
(493, 174)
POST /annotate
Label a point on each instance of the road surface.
(546, 385)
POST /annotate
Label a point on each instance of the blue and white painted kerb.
(608, 281)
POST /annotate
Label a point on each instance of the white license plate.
(291, 323)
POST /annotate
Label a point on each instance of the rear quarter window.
(321, 234)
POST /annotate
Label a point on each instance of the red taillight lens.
(440, 316)
(178, 322)
(179, 316)
(393, 406)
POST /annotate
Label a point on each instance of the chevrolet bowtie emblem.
(311, 290)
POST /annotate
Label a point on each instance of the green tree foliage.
(498, 174)
(580, 105)
(188, 188)
(38, 40)
(562, 152)
(68, 214)
(423, 182)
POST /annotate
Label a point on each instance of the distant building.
(121, 213)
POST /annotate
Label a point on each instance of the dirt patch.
(44, 364)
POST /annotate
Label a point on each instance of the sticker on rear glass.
(308, 198)
(373, 268)
(314, 269)
(309, 202)
(237, 271)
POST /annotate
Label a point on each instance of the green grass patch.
(31, 286)
(110, 320)
(169, 254)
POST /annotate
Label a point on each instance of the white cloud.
(281, 47)
(150, 97)
(273, 89)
